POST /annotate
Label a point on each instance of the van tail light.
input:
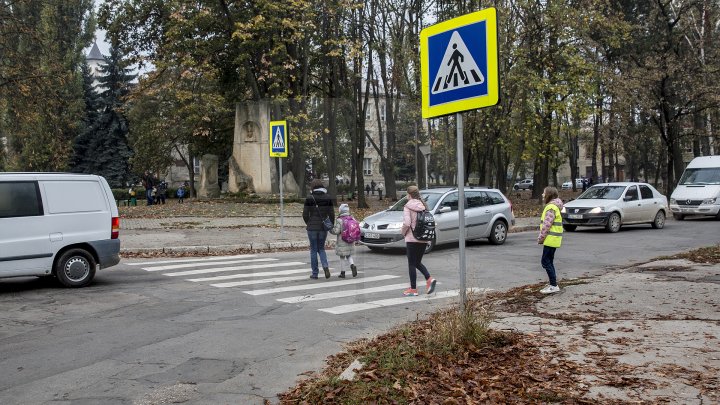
(115, 230)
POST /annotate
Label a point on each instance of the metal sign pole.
(461, 205)
(282, 222)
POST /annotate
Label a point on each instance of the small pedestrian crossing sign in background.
(459, 64)
(278, 139)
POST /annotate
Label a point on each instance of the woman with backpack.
(415, 249)
(347, 230)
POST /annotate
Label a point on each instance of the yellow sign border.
(285, 133)
(493, 96)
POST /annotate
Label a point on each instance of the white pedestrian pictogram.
(457, 69)
(278, 139)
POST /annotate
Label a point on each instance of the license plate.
(575, 216)
(370, 235)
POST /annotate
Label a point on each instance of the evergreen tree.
(80, 162)
(106, 150)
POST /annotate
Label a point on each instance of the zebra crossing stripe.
(318, 284)
(232, 268)
(361, 306)
(341, 294)
(261, 281)
(189, 265)
(248, 275)
(188, 260)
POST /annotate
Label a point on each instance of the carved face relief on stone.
(250, 132)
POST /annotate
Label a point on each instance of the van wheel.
(659, 221)
(498, 234)
(679, 217)
(613, 223)
(75, 268)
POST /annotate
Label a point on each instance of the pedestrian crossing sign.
(458, 61)
(278, 139)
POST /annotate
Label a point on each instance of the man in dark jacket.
(318, 206)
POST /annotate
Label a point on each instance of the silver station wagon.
(488, 214)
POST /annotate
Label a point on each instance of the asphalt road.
(144, 333)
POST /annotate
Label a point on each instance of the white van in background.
(698, 191)
(56, 224)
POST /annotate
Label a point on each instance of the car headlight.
(362, 224)
(396, 225)
(672, 201)
(709, 201)
(596, 210)
(562, 211)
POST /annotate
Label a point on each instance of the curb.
(248, 247)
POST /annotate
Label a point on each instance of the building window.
(368, 144)
(382, 112)
(367, 166)
(368, 114)
(196, 165)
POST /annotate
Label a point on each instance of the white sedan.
(613, 205)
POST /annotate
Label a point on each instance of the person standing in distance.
(551, 233)
(414, 248)
(318, 206)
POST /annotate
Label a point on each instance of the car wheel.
(613, 223)
(570, 228)
(75, 268)
(498, 234)
(515, 187)
(430, 246)
(659, 221)
(679, 217)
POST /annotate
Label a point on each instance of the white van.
(56, 224)
(698, 191)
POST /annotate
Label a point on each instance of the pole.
(282, 222)
(417, 169)
(461, 205)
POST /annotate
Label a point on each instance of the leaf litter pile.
(447, 359)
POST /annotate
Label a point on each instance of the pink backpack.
(351, 229)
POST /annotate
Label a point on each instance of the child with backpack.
(415, 248)
(347, 230)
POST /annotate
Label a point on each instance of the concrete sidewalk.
(225, 235)
(643, 334)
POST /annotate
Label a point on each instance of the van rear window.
(74, 196)
(20, 199)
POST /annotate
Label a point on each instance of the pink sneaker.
(410, 292)
(431, 285)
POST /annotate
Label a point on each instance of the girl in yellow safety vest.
(551, 231)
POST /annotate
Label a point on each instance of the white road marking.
(232, 268)
(318, 284)
(248, 275)
(343, 309)
(261, 281)
(189, 265)
(188, 260)
(341, 294)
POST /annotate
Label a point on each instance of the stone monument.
(209, 187)
(251, 169)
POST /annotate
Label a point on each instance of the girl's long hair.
(414, 193)
(551, 193)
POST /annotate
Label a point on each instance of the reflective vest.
(554, 236)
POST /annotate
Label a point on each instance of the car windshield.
(700, 177)
(430, 199)
(602, 193)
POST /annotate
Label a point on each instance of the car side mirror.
(444, 209)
